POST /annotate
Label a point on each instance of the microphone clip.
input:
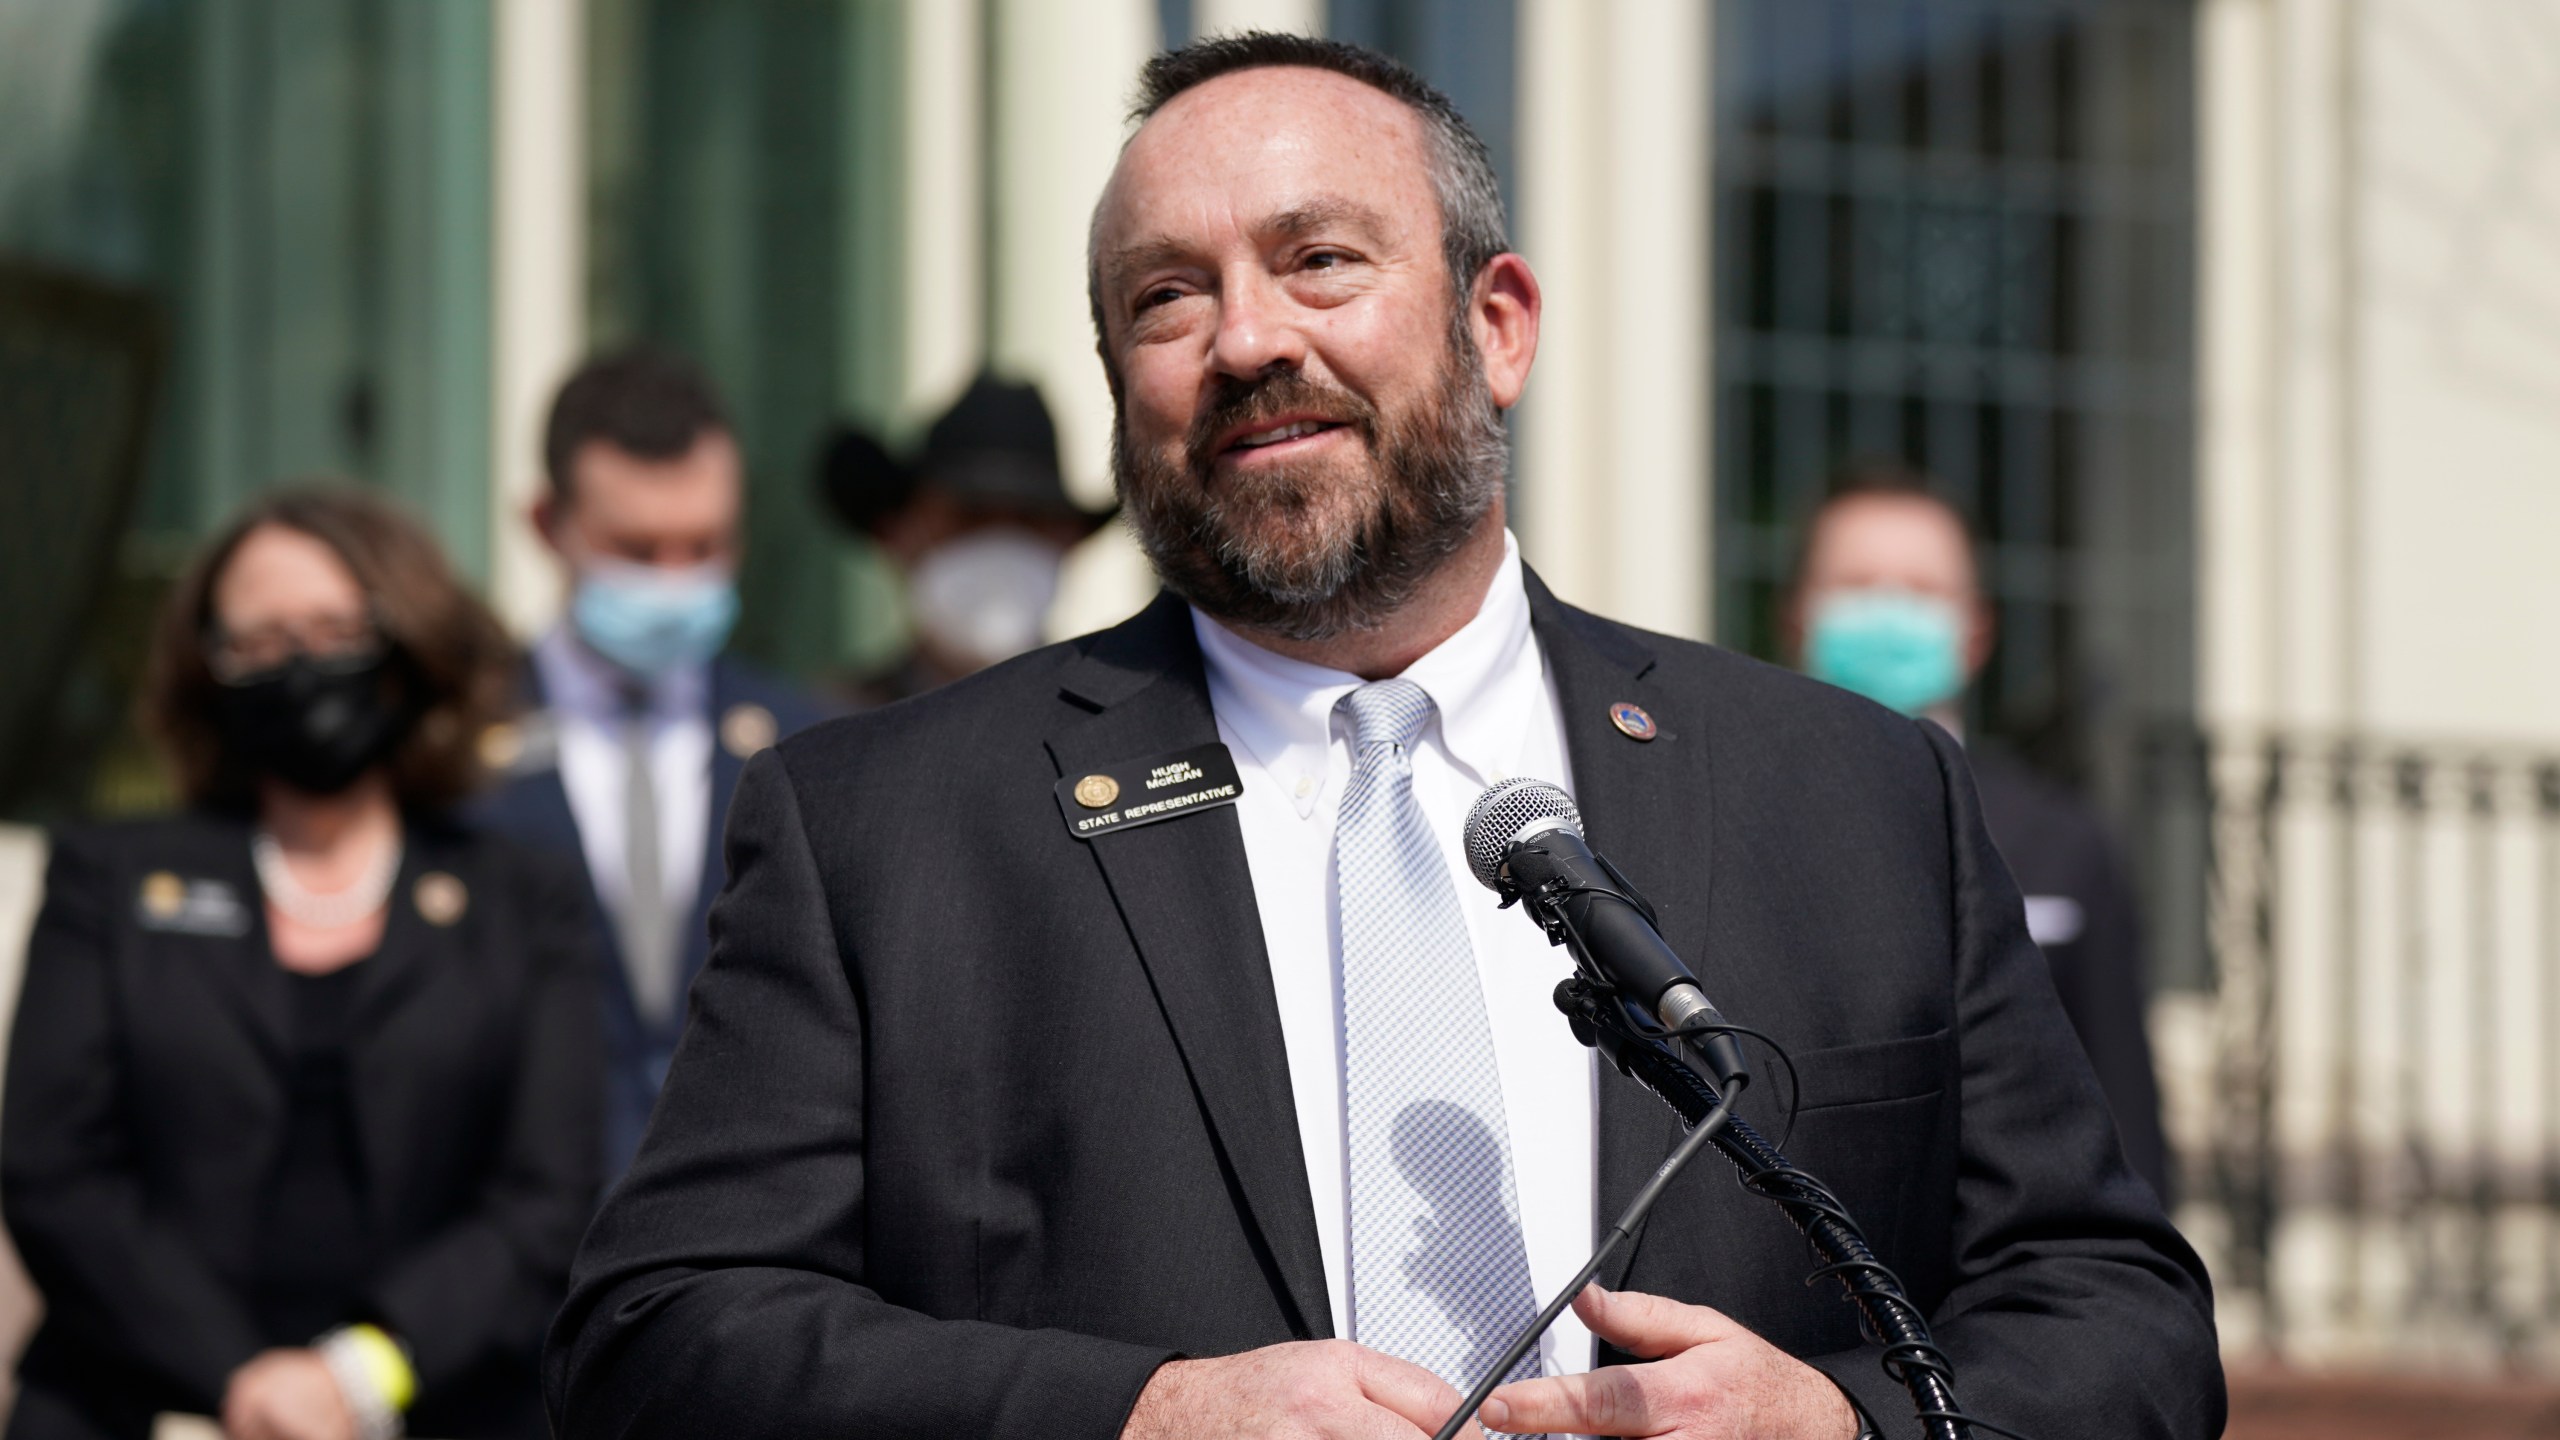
(1546, 900)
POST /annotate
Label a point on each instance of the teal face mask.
(648, 620)
(1896, 648)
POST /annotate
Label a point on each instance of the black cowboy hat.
(996, 446)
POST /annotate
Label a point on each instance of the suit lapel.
(1183, 889)
(725, 767)
(1646, 805)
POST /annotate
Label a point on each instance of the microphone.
(1524, 842)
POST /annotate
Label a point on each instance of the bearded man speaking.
(1114, 1043)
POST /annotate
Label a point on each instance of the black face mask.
(316, 726)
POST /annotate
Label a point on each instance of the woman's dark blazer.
(147, 1102)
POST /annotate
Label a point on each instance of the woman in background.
(302, 1105)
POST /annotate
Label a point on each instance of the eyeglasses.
(331, 642)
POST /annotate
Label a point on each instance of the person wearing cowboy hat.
(978, 525)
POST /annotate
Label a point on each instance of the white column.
(2239, 561)
(1561, 482)
(1063, 76)
(945, 243)
(1219, 17)
(538, 289)
(1658, 260)
(1614, 478)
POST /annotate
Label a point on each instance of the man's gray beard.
(1442, 469)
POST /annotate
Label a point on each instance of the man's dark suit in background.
(1888, 601)
(636, 722)
(976, 1123)
(2085, 920)
(748, 711)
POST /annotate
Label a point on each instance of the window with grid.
(1959, 233)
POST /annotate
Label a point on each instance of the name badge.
(1142, 792)
(190, 907)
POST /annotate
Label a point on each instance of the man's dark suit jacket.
(2056, 846)
(975, 1123)
(148, 1101)
(532, 806)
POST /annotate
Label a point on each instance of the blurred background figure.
(1888, 602)
(978, 527)
(638, 721)
(301, 1119)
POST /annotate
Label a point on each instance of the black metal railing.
(2374, 1143)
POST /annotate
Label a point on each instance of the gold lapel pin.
(746, 729)
(163, 894)
(501, 746)
(440, 898)
(1095, 791)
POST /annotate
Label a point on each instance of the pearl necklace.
(334, 910)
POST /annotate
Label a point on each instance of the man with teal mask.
(637, 724)
(1887, 602)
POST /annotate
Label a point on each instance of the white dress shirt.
(1496, 717)
(584, 692)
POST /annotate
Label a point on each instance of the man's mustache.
(1247, 404)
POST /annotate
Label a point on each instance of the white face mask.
(982, 597)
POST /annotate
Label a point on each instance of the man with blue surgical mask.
(638, 723)
(1887, 601)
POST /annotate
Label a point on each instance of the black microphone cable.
(1886, 1313)
(1887, 1316)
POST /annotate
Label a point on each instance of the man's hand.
(1710, 1380)
(1310, 1390)
(286, 1395)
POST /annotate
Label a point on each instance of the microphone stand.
(1563, 896)
(1602, 1017)
(1710, 1121)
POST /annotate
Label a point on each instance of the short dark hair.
(455, 659)
(639, 399)
(1881, 477)
(1472, 226)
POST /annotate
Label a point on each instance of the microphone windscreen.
(1501, 813)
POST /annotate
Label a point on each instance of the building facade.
(2234, 321)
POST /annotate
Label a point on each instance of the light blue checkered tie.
(1439, 1272)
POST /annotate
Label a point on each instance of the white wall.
(2379, 495)
(2457, 228)
(2380, 467)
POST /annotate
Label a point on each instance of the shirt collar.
(1282, 709)
(577, 681)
